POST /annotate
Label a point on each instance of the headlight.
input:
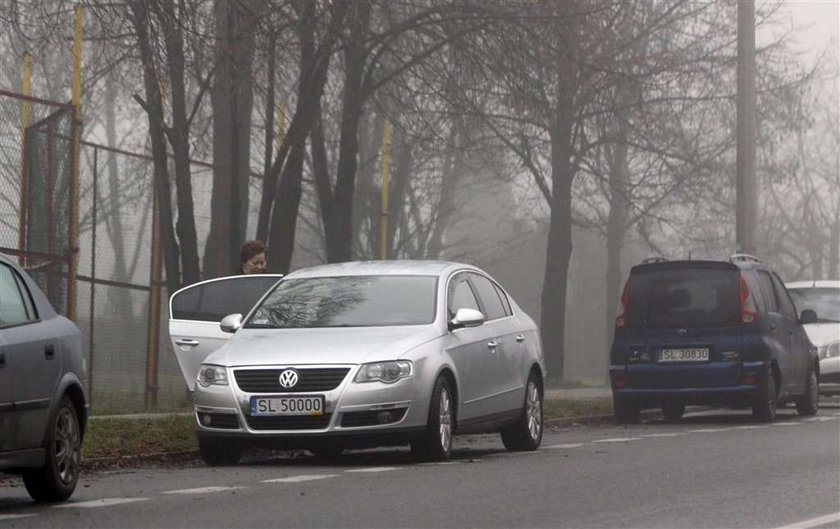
(210, 374)
(830, 350)
(387, 372)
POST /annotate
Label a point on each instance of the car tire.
(215, 451)
(436, 443)
(673, 411)
(57, 479)
(766, 400)
(526, 434)
(809, 403)
(625, 412)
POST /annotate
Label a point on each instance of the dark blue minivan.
(712, 333)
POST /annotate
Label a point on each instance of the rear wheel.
(766, 401)
(56, 480)
(436, 442)
(526, 434)
(673, 411)
(809, 403)
(216, 451)
(625, 412)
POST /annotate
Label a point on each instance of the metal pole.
(746, 212)
(383, 215)
(153, 328)
(73, 250)
(26, 117)
(92, 312)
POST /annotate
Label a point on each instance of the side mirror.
(231, 323)
(808, 316)
(466, 318)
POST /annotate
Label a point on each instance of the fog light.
(206, 419)
(385, 417)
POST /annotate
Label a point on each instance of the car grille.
(293, 422)
(372, 418)
(268, 380)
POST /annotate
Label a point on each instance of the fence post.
(73, 251)
(26, 117)
(153, 328)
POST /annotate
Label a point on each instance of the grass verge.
(164, 433)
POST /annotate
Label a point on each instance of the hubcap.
(445, 420)
(534, 411)
(67, 447)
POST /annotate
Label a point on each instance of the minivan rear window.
(683, 297)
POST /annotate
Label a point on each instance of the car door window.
(461, 295)
(213, 300)
(489, 298)
(13, 309)
(505, 300)
(783, 299)
(767, 293)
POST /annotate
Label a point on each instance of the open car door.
(195, 312)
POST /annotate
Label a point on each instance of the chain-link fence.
(130, 360)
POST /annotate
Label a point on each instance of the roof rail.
(657, 259)
(744, 258)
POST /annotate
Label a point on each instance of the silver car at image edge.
(823, 297)
(43, 408)
(356, 355)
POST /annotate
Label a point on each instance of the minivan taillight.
(749, 314)
(621, 320)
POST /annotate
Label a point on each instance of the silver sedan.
(356, 355)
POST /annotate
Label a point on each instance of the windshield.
(824, 301)
(348, 301)
(683, 297)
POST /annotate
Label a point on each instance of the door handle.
(492, 344)
(187, 342)
(520, 338)
(49, 351)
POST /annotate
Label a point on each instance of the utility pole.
(746, 203)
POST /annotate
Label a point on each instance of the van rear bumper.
(743, 395)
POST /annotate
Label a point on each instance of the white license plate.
(693, 354)
(287, 405)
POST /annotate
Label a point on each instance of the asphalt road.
(714, 469)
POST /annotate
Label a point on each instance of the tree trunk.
(154, 110)
(396, 195)
(616, 227)
(340, 246)
(834, 250)
(232, 101)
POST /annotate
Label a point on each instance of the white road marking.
(373, 469)
(662, 435)
(708, 430)
(617, 440)
(104, 502)
(752, 427)
(811, 419)
(564, 445)
(823, 419)
(786, 424)
(14, 516)
(814, 522)
(299, 479)
(446, 463)
(202, 490)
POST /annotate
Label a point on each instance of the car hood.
(822, 333)
(251, 347)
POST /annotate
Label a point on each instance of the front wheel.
(57, 479)
(809, 403)
(526, 433)
(436, 442)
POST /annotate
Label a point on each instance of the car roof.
(399, 267)
(815, 283)
(666, 265)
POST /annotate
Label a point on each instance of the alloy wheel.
(445, 420)
(67, 446)
(534, 411)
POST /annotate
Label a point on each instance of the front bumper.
(384, 413)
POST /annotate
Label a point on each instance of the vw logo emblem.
(289, 378)
(682, 331)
